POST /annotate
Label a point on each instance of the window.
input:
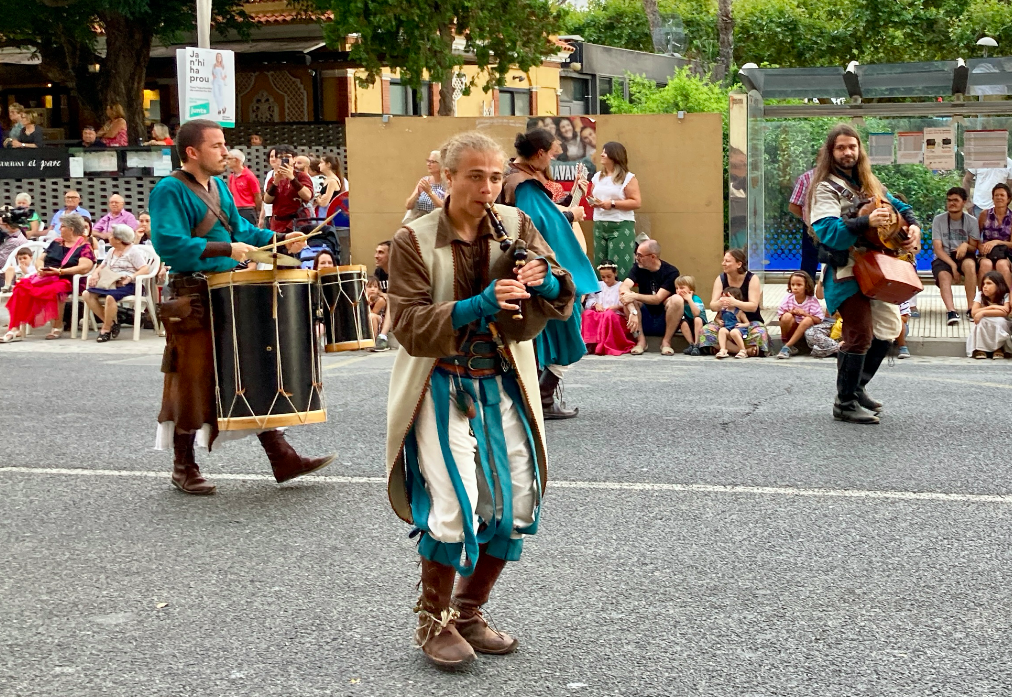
(406, 101)
(514, 102)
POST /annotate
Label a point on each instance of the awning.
(275, 46)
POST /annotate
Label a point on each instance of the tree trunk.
(125, 69)
(725, 31)
(446, 105)
(66, 60)
(654, 20)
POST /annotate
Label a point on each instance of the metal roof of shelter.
(977, 76)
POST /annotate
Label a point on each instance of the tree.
(654, 21)
(65, 34)
(417, 38)
(725, 30)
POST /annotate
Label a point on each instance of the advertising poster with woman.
(206, 85)
(576, 152)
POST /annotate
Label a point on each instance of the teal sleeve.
(170, 228)
(474, 308)
(549, 288)
(834, 233)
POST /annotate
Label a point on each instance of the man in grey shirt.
(955, 236)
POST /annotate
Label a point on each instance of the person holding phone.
(287, 191)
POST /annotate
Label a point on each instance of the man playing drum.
(465, 436)
(193, 224)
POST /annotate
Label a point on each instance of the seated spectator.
(603, 323)
(143, 228)
(22, 268)
(114, 279)
(244, 186)
(34, 222)
(31, 136)
(737, 275)
(656, 310)
(820, 338)
(996, 234)
(116, 216)
(732, 324)
(955, 236)
(799, 312)
(990, 311)
(41, 298)
(114, 131)
(11, 238)
(89, 139)
(694, 315)
(377, 305)
(72, 204)
(160, 135)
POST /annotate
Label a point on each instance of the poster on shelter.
(985, 149)
(577, 137)
(939, 148)
(880, 148)
(910, 148)
(206, 78)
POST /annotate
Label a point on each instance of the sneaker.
(694, 351)
(688, 350)
(904, 352)
(794, 350)
(381, 345)
(914, 313)
(952, 318)
(785, 352)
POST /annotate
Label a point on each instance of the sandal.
(741, 354)
(998, 354)
(115, 331)
(54, 334)
(104, 337)
(10, 338)
(978, 354)
(637, 351)
(667, 351)
(722, 354)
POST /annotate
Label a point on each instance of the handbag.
(886, 278)
(107, 278)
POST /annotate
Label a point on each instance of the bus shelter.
(778, 125)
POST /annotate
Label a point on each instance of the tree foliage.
(417, 38)
(65, 34)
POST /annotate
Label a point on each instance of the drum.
(266, 360)
(345, 309)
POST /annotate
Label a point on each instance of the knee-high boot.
(185, 474)
(437, 634)
(849, 367)
(550, 406)
(285, 462)
(472, 592)
(872, 360)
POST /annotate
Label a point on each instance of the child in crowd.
(694, 314)
(603, 327)
(22, 268)
(799, 312)
(906, 312)
(733, 324)
(990, 330)
(377, 304)
(820, 337)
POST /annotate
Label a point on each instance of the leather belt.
(478, 358)
(187, 280)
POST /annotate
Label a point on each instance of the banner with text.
(34, 163)
(206, 78)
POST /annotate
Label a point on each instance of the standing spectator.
(72, 204)
(255, 140)
(319, 179)
(603, 324)
(90, 140)
(737, 275)
(799, 312)
(287, 192)
(906, 312)
(42, 297)
(616, 196)
(381, 274)
(34, 228)
(656, 310)
(990, 330)
(117, 215)
(798, 208)
(983, 182)
(31, 135)
(114, 131)
(159, 135)
(267, 210)
(996, 234)
(429, 192)
(955, 236)
(334, 183)
(15, 111)
(243, 185)
(114, 279)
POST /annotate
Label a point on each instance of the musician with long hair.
(466, 451)
(842, 183)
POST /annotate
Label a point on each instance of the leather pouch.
(183, 314)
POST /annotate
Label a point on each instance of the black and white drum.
(266, 359)
(345, 309)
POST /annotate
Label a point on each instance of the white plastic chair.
(37, 249)
(144, 296)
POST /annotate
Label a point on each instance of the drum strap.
(211, 199)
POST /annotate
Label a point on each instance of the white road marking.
(566, 484)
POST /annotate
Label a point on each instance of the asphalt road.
(708, 530)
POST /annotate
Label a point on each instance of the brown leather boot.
(472, 592)
(436, 634)
(185, 473)
(552, 408)
(286, 463)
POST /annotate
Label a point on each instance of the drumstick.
(315, 231)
